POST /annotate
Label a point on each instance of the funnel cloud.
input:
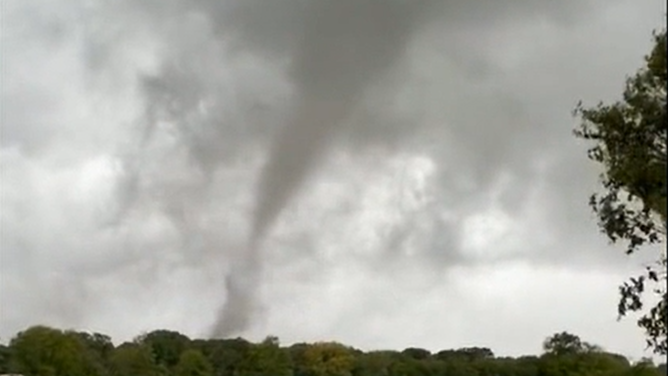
(343, 46)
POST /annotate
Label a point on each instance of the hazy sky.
(384, 173)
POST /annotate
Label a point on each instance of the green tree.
(328, 359)
(564, 343)
(97, 349)
(416, 353)
(265, 358)
(567, 355)
(296, 352)
(644, 367)
(630, 143)
(45, 351)
(476, 353)
(193, 363)
(373, 363)
(166, 345)
(133, 359)
(527, 365)
(602, 363)
(409, 367)
(5, 356)
(225, 355)
(97, 343)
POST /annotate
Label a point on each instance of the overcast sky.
(382, 173)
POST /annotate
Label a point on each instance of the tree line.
(47, 351)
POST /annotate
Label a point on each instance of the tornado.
(342, 47)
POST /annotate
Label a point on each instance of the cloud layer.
(400, 161)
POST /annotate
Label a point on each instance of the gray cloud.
(364, 135)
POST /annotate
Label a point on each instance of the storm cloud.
(250, 160)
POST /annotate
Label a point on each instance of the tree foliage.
(265, 358)
(630, 143)
(5, 356)
(328, 359)
(225, 355)
(193, 363)
(43, 351)
(133, 359)
(564, 344)
(166, 346)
